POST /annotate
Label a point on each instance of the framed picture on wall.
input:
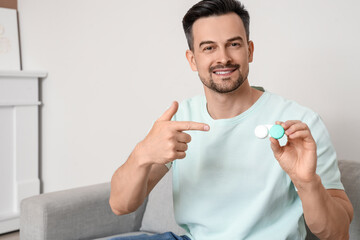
(9, 40)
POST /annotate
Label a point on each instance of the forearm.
(129, 185)
(326, 216)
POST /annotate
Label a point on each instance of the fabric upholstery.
(350, 177)
(159, 213)
(81, 213)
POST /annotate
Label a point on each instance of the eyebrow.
(206, 42)
(229, 40)
(235, 38)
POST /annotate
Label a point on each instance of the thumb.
(170, 112)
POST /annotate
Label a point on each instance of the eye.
(235, 44)
(208, 48)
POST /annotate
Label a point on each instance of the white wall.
(115, 66)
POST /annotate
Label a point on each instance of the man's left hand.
(298, 157)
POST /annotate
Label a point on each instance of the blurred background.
(115, 66)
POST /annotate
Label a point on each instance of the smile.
(224, 72)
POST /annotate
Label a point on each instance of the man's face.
(221, 53)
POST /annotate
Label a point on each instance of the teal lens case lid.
(277, 131)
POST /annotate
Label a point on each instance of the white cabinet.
(19, 143)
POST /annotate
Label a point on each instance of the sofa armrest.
(80, 213)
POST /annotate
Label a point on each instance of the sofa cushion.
(350, 177)
(159, 212)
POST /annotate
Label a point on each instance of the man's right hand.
(166, 140)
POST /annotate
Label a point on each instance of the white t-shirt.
(230, 186)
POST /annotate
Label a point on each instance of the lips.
(224, 71)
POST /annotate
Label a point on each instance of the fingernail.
(206, 128)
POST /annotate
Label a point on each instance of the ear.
(191, 59)
(251, 51)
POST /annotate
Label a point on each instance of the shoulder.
(290, 109)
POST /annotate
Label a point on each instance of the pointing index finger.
(188, 125)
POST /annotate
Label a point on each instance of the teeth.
(219, 73)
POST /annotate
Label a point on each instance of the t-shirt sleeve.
(327, 165)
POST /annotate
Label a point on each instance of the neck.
(229, 105)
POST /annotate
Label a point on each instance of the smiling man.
(228, 184)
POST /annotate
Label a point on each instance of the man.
(228, 184)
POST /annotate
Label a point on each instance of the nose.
(223, 56)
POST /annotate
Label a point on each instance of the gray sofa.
(84, 213)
